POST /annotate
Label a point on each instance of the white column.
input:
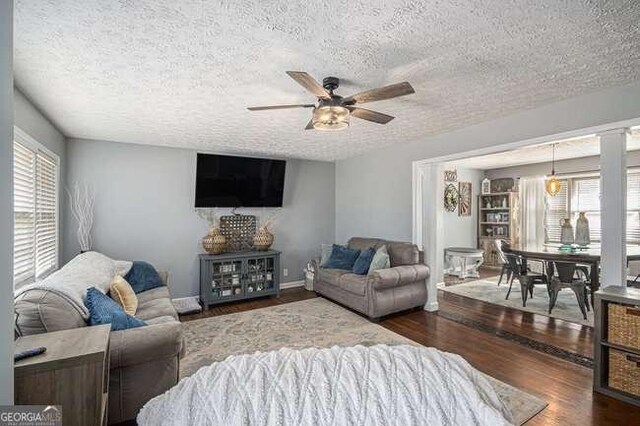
(613, 206)
(6, 202)
(432, 232)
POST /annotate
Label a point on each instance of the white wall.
(374, 190)
(31, 121)
(6, 202)
(574, 165)
(144, 208)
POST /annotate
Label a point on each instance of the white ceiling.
(565, 149)
(180, 73)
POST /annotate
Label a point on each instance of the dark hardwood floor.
(566, 386)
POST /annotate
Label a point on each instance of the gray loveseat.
(385, 291)
(144, 361)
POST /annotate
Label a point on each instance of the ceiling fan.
(333, 111)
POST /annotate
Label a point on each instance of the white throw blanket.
(90, 269)
(379, 385)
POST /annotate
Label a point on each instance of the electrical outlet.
(285, 272)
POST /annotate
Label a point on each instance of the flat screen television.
(226, 181)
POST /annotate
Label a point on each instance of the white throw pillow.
(380, 260)
(325, 253)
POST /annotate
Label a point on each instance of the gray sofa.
(385, 291)
(144, 361)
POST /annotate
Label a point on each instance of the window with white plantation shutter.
(633, 207)
(35, 212)
(557, 208)
(583, 195)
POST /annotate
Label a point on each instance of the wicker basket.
(624, 372)
(624, 325)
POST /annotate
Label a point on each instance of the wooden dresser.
(72, 373)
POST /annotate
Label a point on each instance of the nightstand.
(73, 373)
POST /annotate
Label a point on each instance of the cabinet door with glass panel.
(261, 273)
(226, 279)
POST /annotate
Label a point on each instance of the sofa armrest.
(147, 343)
(398, 275)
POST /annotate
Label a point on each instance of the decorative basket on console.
(263, 239)
(214, 242)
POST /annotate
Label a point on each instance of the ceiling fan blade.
(261, 108)
(308, 82)
(309, 125)
(380, 94)
(367, 114)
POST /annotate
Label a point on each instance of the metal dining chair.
(526, 278)
(561, 275)
(506, 267)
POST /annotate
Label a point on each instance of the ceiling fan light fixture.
(330, 117)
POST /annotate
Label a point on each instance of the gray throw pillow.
(325, 253)
(380, 260)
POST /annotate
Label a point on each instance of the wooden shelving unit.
(497, 219)
(604, 298)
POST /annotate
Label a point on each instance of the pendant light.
(553, 184)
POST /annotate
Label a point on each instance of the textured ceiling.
(565, 149)
(180, 73)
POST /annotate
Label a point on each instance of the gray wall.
(574, 165)
(31, 121)
(6, 202)
(144, 208)
(373, 190)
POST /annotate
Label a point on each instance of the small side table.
(72, 373)
(463, 262)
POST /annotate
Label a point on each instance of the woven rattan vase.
(263, 239)
(214, 242)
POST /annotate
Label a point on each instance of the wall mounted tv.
(225, 181)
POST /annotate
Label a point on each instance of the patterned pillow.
(380, 260)
(104, 310)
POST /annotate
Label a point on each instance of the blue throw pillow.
(361, 267)
(342, 258)
(105, 310)
(143, 276)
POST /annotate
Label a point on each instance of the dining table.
(581, 255)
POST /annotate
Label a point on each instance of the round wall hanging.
(450, 198)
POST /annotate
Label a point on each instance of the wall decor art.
(486, 186)
(450, 198)
(450, 175)
(465, 199)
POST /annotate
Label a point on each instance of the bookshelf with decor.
(497, 219)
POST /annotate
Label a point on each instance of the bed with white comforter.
(378, 385)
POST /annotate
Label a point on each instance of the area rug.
(309, 323)
(488, 290)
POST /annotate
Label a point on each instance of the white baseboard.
(292, 284)
(197, 298)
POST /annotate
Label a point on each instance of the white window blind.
(557, 208)
(35, 249)
(586, 198)
(583, 195)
